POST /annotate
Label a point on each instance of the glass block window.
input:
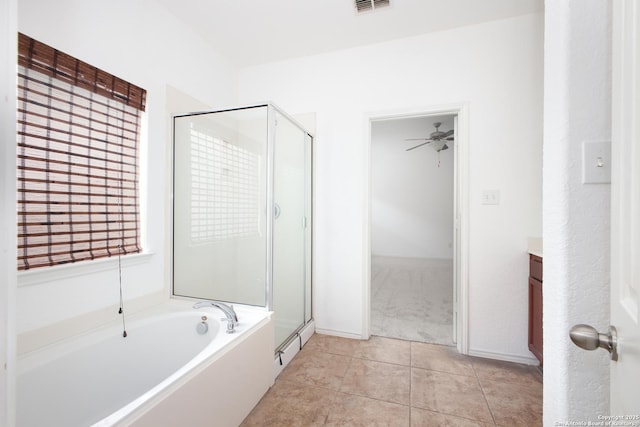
(225, 184)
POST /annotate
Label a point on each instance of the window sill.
(48, 274)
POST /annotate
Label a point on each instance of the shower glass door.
(220, 193)
(291, 228)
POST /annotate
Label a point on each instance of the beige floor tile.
(331, 344)
(317, 369)
(514, 403)
(340, 382)
(288, 400)
(356, 411)
(263, 418)
(424, 418)
(378, 380)
(449, 394)
(440, 358)
(497, 370)
(385, 350)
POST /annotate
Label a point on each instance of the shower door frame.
(271, 141)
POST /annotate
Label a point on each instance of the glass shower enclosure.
(242, 211)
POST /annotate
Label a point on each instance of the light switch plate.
(596, 162)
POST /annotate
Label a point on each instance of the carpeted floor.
(412, 299)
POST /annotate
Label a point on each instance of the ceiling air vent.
(367, 5)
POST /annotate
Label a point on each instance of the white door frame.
(461, 215)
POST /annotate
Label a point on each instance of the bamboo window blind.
(78, 142)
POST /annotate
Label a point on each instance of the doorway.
(412, 223)
(417, 228)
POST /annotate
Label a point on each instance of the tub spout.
(232, 317)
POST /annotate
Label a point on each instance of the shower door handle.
(276, 211)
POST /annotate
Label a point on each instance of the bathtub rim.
(170, 305)
(43, 355)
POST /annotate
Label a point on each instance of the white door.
(625, 214)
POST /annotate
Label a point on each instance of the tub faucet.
(232, 317)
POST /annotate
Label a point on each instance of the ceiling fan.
(436, 136)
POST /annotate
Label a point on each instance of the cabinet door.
(535, 318)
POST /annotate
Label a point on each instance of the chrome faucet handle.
(235, 315)
(228, 308)
(229, 312)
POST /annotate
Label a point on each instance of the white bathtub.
(164, 373)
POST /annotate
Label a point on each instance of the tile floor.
(387, 382)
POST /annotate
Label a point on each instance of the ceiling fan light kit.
(437, 137)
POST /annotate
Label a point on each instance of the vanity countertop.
(535, 246)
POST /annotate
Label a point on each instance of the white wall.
(412, 191)
(496, 69)
(576, 217)
(150, 48)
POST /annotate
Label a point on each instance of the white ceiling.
(250, 32)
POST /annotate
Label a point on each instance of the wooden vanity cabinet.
(535, 306)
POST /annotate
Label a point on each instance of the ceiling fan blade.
(419, 145)
(418, 139)
(450, 138)
(447, 133)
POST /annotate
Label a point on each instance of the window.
(78, 138)
(225, 185)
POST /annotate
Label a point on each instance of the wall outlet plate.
(491, 197)
(596, 162)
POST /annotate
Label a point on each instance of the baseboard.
(504, 357)
(339, 334)
(287, 354)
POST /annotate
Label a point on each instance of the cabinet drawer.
(535, 267)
